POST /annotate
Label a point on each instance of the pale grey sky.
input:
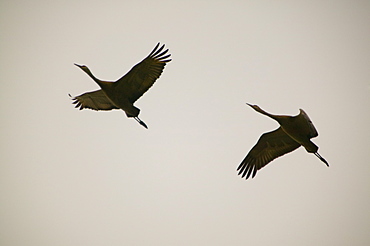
(70, 177)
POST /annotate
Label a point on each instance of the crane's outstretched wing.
(143, 75)
(270, 146)
(95, 100)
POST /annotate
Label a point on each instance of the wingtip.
(245, 171)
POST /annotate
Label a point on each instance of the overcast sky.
(71, 178)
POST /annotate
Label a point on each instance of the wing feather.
(143, 75)
(270, 146)
(95, 100)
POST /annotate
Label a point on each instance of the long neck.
(91, 75)
(272, 116)
(102, 84)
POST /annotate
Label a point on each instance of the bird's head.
(83, 67)
(259, 110)
(87, 70)
(255, 107)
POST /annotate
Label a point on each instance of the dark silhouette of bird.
(293, 132)
(123, 93)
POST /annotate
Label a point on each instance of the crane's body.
(294, 131)
(123, 93)
(299, 128)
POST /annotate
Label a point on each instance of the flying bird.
(123, 93)
(293, 132)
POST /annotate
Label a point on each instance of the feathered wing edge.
(270, 146)
(95, 100)
(144, 74)
(159, 57)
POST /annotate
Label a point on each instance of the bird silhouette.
(123, 93)
(293, 132)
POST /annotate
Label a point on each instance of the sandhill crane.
(293, 132)
(123, 93)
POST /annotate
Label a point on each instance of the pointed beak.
(77, 65)
(249, 104)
